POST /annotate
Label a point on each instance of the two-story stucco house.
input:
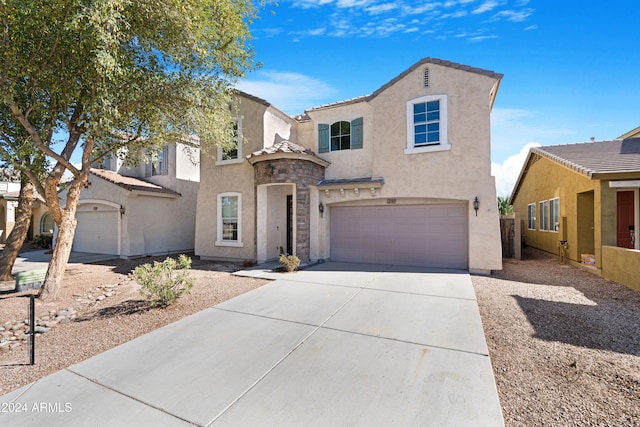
(143, 210)
(389, 177)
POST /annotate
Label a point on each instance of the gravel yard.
(564, 343)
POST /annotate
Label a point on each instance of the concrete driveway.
(333, 345)
(35, 260)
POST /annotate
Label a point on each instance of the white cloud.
(485, 7)
(513, 15)
(290, 92)
(507, 173)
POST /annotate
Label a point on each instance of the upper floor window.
(340, 135)
(531, 216)
(159, 164)
(427, 124)
(232, 153)
(161, 167)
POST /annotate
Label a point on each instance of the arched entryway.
(283, 176)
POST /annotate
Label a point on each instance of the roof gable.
(421, 63)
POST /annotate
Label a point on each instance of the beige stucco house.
(41, 221)
(389, 177)
(144, 210)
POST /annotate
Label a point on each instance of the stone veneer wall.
(303, 173)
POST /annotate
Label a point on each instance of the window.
(233, 153)
(531, 216)
(160, 165)
(340, 135)
(427, 124)
(229, 219)
(544, 216)
(554, 214)
(46, 224)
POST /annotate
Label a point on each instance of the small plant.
(289, 262)
(164, 282)
(43, 240)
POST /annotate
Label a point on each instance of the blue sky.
(571, 69)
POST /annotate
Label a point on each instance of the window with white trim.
(427, 124)
(531, 216)
(544, 215)
(229, 219)
(46, 224)
(232, 153)
(554, 214)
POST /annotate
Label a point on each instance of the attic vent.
(426, 77)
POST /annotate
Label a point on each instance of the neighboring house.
(138, 211)
(587, 196)
(41, 221)
(386, 178)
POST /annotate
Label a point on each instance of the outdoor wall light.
(476, 205)
(321, 209)
(121, 210)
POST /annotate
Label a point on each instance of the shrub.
(289, 262)
(164, 282)
(43, 240)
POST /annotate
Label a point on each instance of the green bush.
(164, 282)
(43, 240)
(289, 262)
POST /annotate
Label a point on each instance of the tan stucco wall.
(621, 265)
(261, 127)
(457, 175)
(545, 180)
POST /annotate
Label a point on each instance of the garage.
(412, 235)
(97, 229)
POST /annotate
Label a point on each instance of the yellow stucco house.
(401, 176)
(583, 200)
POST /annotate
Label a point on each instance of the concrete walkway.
(333, 345)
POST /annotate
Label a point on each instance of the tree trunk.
(19, 233)
(66, 221)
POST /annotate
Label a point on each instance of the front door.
(290, 224)
(626, 215)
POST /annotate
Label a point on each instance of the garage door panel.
(424, 235)
(96, 232)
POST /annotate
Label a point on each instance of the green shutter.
(356, 133)
(323, 138)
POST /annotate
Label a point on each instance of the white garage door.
(416, 235)
(97, 230)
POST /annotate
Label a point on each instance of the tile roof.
(283, 146)
(132, 184)
(351, 181)
(287, 149)
(14, 195)
(593, 158)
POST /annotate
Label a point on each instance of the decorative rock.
(100, 298)
(41, 329)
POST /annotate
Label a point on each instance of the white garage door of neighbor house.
(97, 232)
(412, 235)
